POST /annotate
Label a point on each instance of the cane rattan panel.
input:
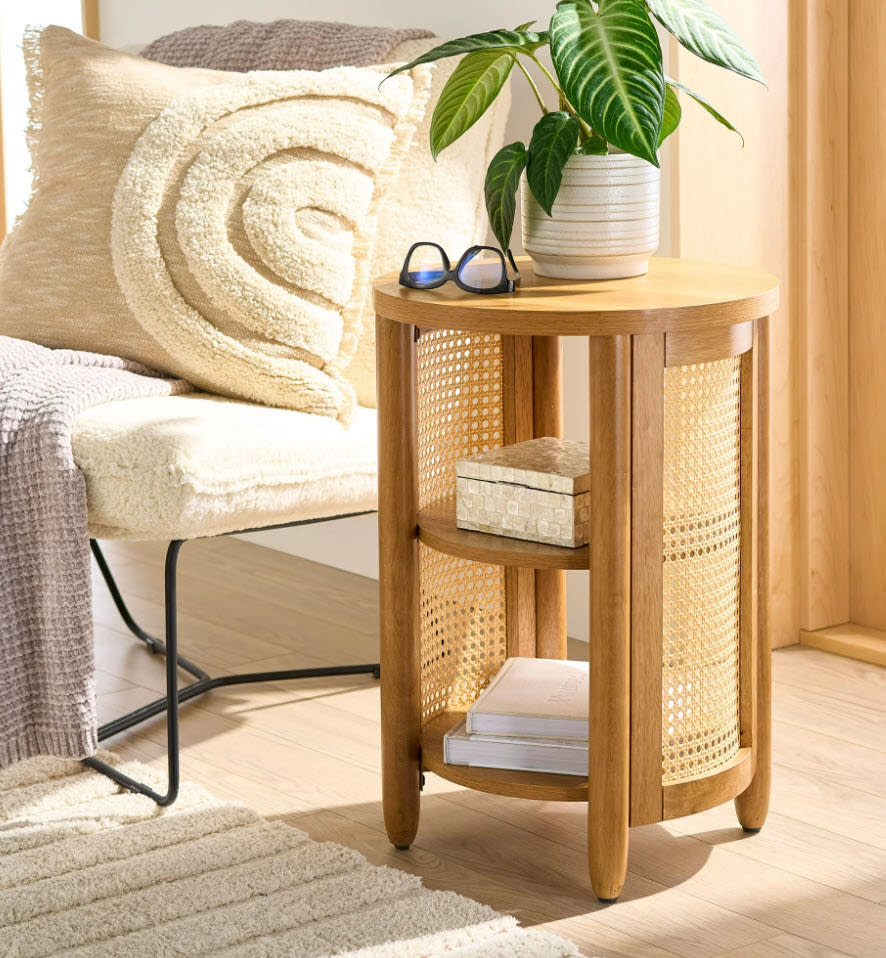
(700, 678)
(463, 631)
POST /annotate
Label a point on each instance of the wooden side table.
(679, 650)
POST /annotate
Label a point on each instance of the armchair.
(197, 465)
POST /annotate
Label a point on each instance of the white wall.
(351, 544)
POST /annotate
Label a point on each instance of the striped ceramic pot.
(604, 223)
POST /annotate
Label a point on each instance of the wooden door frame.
(819, 239)
(822, 50)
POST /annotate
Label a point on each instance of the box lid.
(558, 465)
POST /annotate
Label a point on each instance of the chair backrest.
(441, 201)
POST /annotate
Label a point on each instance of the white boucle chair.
(197, 465)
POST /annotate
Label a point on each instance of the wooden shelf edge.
(536, 785)
(707, 791)
(438, 530)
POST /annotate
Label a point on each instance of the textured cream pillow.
(215, 225)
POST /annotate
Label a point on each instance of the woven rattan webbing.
(700, 678)
(463, 630)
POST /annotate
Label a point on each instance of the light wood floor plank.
(797, 848)
(830, 757)
(846, 721)
(786, 946)
(832, 676)
(811, 885)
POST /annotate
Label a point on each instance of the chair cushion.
(180, 467)
(215, 225)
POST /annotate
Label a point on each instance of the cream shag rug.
(88, 870)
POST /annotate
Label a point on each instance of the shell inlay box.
(535, 490)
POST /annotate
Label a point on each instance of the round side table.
(679, 683)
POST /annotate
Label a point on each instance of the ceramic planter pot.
(604, 223)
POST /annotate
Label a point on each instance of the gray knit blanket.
(47, 677)
(280, 45)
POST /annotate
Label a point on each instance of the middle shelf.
(437, 528)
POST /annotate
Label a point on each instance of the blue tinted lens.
(426, 266)
(425, 275)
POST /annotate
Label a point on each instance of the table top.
(676, 295)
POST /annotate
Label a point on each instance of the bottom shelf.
(679, 798)
(538, 785)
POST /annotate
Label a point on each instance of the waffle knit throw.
(47, 679)
(280, 45)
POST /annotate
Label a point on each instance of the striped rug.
(87, 870)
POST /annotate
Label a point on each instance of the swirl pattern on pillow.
(242, 227)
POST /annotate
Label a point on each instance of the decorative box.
(535, 490)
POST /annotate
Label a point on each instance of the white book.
(564, 756)
(546, 698)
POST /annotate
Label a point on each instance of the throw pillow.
(440, 200)
(218, 226)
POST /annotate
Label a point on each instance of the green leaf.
(553, 142)
(504, 41)
(701, 101)
(502, 181)
(468, 93)
(594, 145)
(704, 32)
(672, 114)
(609, 65)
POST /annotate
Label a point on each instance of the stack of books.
(533, 717)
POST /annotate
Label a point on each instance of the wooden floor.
(813, 883)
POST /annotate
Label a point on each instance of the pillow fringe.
(31, 50)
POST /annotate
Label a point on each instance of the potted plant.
(590, 172)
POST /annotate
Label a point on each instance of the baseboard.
(851, 640)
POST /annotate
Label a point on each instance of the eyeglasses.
(481, 269)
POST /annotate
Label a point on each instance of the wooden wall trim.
(819, 237)
(849, 640)
(90, 19)
(867, 335)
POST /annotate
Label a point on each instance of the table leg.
(752, 805)
(610, 614)
(398, 581)
(547, 415)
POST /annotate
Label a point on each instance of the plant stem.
(564, 101)
(535, 89)
(547, 73)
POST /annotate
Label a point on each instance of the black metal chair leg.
(175, 696)
(153, 643)
(171, 701)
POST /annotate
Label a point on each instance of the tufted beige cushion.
(440, 200)
(177, 467)
(216, 225)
